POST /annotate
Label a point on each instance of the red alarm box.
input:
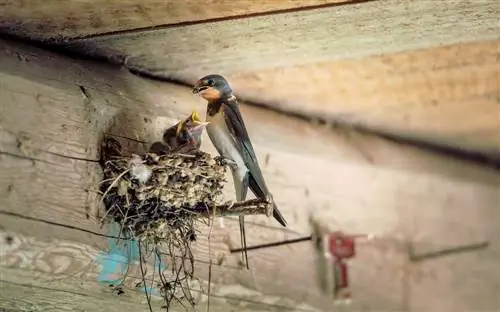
(341, 246)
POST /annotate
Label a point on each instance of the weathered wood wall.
(419, 69)
(352, 181)
(425, 70)
(64, 19)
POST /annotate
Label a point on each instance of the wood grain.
(59, 273)
(70, 19)
(354, 31)
(444, 95)
(351, 181)
(424, 70)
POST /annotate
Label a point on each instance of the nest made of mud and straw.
(159, 198)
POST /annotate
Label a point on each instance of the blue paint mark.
(113, 269)
(118, 257)
(121, 253)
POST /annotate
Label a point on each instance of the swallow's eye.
(210, 82)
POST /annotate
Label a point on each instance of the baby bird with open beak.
(184, 137)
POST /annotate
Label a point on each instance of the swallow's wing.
(236, 126)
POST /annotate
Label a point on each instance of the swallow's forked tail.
(276, 213)
(243, 237)
(278, 216)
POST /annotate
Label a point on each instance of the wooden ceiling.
(81, 18)
(425, 70)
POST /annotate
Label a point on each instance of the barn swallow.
(229, 135)
(184, 137)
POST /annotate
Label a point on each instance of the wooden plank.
(41, 298)
(445, 95)
(52, 274)
(443, 278)
(351, 181)
(423, 69)
(57, 273)
(69, 19)
(296, 38)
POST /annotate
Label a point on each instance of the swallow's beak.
(179, 127)
(207, 90)
(198, 88)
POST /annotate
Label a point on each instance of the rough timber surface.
(76, 18)
(55, 109)
(52, 275)
(420, 69)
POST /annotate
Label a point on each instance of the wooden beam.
(69, 19)
(53, 273)
(327, 34)
(426, 70)
(55, 109)
(38, 297)
(444, 95)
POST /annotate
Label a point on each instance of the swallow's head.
(192, 124)
(212, 87)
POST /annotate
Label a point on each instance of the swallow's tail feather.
(241, 187)
(276, 213)
(278, 216)
(243, 237)
(262, 192)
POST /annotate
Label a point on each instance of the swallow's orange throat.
(211, 94)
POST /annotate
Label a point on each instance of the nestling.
(184, 137)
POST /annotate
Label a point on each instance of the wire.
(17, 215)
(143, 275)
(71, 227)
(275, 244)
(116, 237)
(13, 214)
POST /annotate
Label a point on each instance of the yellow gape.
(179, 127)
(194, 116)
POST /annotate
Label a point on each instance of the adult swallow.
(229, 135)
(184, 137)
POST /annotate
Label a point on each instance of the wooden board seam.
(221, 19)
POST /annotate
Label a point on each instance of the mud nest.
(157, 201)
(152, 196)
